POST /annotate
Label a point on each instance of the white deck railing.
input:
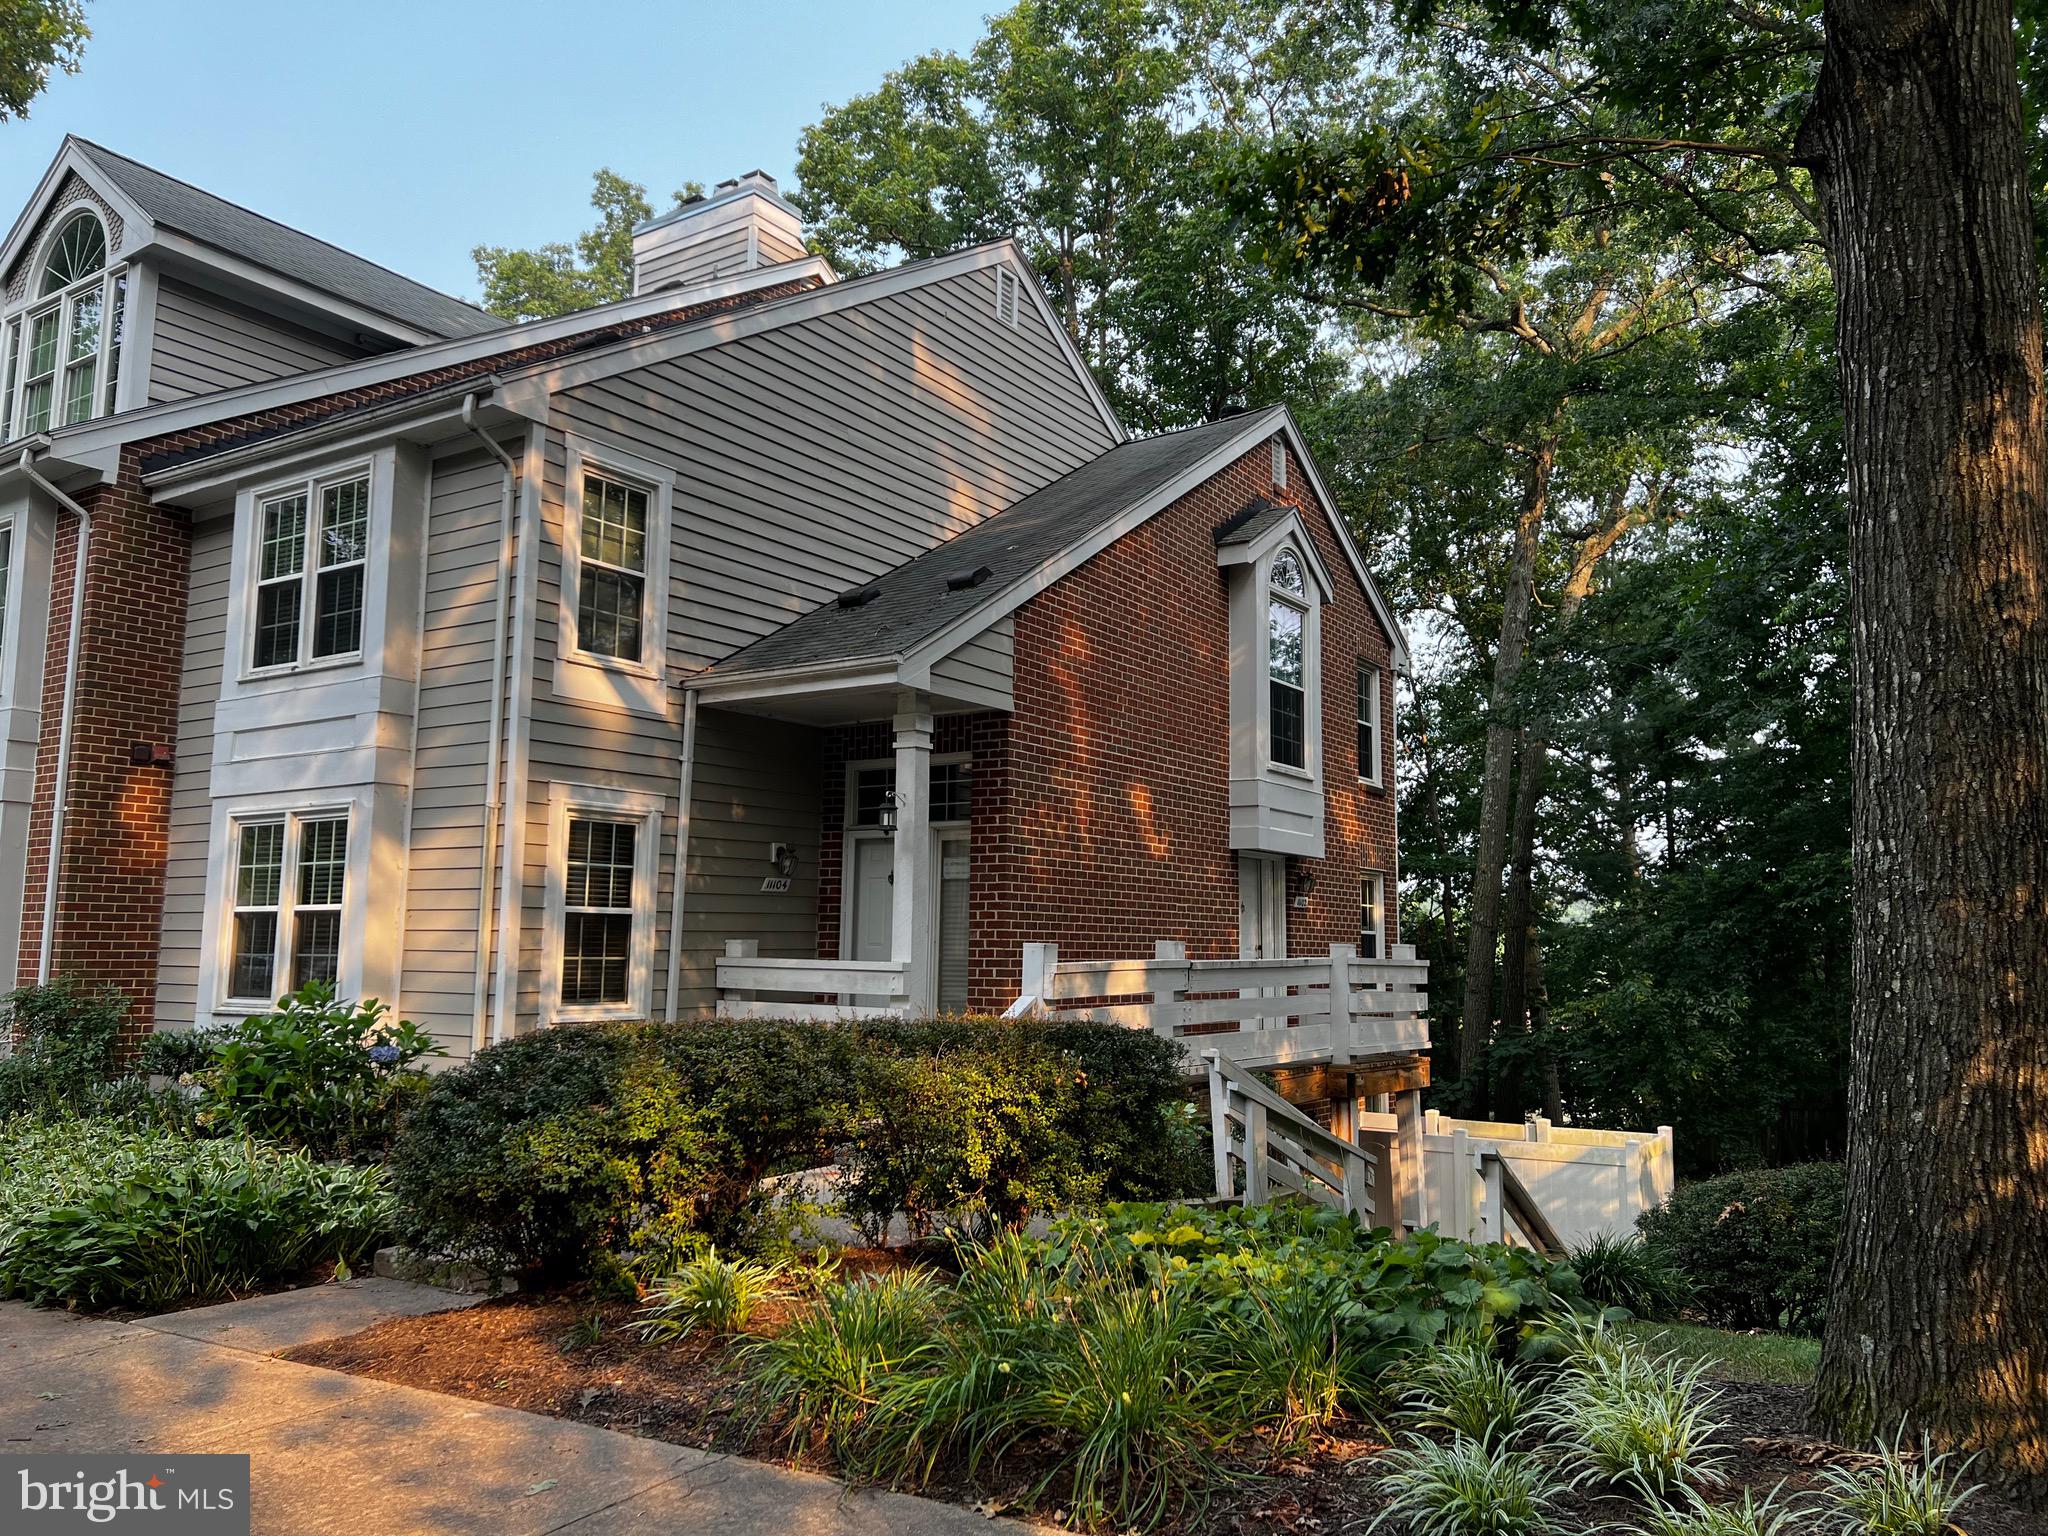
(750, 987)
(1281, 1149)
(1586, 1183)
(1255, 1013)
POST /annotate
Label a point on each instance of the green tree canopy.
(37, 36)
(560, 276)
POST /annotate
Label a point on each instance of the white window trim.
(1309, 607)
(1375, 775)
(586, 675)
(1372, 880)
(243, 674)
(648, 809)
(33, 303)
(216, 964)
(16, 531)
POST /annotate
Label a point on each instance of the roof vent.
(960, 581)
(859, 597)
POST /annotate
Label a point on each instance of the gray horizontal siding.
(982, 670)
(718, 254)
(443, 926)
(184, 910)
(203, 343)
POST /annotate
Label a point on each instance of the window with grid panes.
(611, 578)
(1286, 669)
(63, 351)
(597, 911)
(290, 879)
(312, 546)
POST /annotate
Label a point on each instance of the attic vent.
(859, 597)
(960, 581)
(1280, 462)
(1009, 297)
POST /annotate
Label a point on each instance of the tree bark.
(1483, 934)
(1939, 1309)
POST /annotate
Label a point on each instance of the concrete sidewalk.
(341, 1454)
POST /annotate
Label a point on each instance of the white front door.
(1261, 907)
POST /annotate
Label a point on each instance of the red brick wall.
(1107, 819)
(117, 817)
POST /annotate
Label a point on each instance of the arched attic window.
(1287, 660)
(61, 356)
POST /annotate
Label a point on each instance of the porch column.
(912, 932)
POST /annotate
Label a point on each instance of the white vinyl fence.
(1586, 1183)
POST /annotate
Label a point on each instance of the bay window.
(1286, 662)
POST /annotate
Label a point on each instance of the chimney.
(742, 224)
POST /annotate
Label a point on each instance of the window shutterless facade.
(1369, 723)
(1372, 917)
(611, 583)
(312, 546)
(603, 847)
(1286, 662)
(289, 880)
(62, 359)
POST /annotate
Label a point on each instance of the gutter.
(684, 775)
(53, 864)
(493, 796)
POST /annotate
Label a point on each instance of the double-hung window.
(1372, 917)
(62, 353)
(290, 877)
(611, 590)
(1286, 662)
(597, 912)
(1369, 723)
(312, 542)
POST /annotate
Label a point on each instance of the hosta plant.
(717, 1294)
(1466, 1489)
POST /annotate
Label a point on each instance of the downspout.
(53, 864)
(683, 789)
(479, 1036)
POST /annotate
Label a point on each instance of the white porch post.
(911, 929)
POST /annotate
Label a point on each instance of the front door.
(1261, 907)
(874, 868)
(953, 886)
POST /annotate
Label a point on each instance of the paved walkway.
(341, 1454)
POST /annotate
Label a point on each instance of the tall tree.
(560, 277)
(1917, 144)
(1939, 1311)
(37, 36)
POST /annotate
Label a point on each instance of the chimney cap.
(754, 183)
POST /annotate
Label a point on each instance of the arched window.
(61, 358)
(1287, 661)
(79, 251)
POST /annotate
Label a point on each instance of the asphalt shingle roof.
(913, 602)
(1252, 521)
(290, 252)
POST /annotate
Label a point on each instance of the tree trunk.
(1939, 1309)
(1484, 932)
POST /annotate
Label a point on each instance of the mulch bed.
(537, 1353)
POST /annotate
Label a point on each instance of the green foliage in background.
(67, 1044)
(1755, 1247)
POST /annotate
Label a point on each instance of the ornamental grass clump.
(1768, 1516)
(1903, 1495)
(1465, 1389)
(716, 1294)
(1622, 1417)
(1464, 1488)
(1621, 1270)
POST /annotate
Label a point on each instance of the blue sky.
(410, 132)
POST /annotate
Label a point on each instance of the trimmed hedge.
(572, 1152)
(1755, 1247)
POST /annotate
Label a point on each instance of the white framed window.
(1009, 297)
(7, 557)
(287, 890)
(615, 567)
(63, 350)
(312, 544)
(1287, 662)
(1372, 916)
(1369, 723)
(603, 850)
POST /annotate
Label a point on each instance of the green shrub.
(329, 1076)
(66, 1036)
(1755, 1247)
(1624, 1271)
(177, 1053)
(574, 1151)
(97, 1212)
(721, 1295)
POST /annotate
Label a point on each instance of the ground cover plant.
(107, 1212)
